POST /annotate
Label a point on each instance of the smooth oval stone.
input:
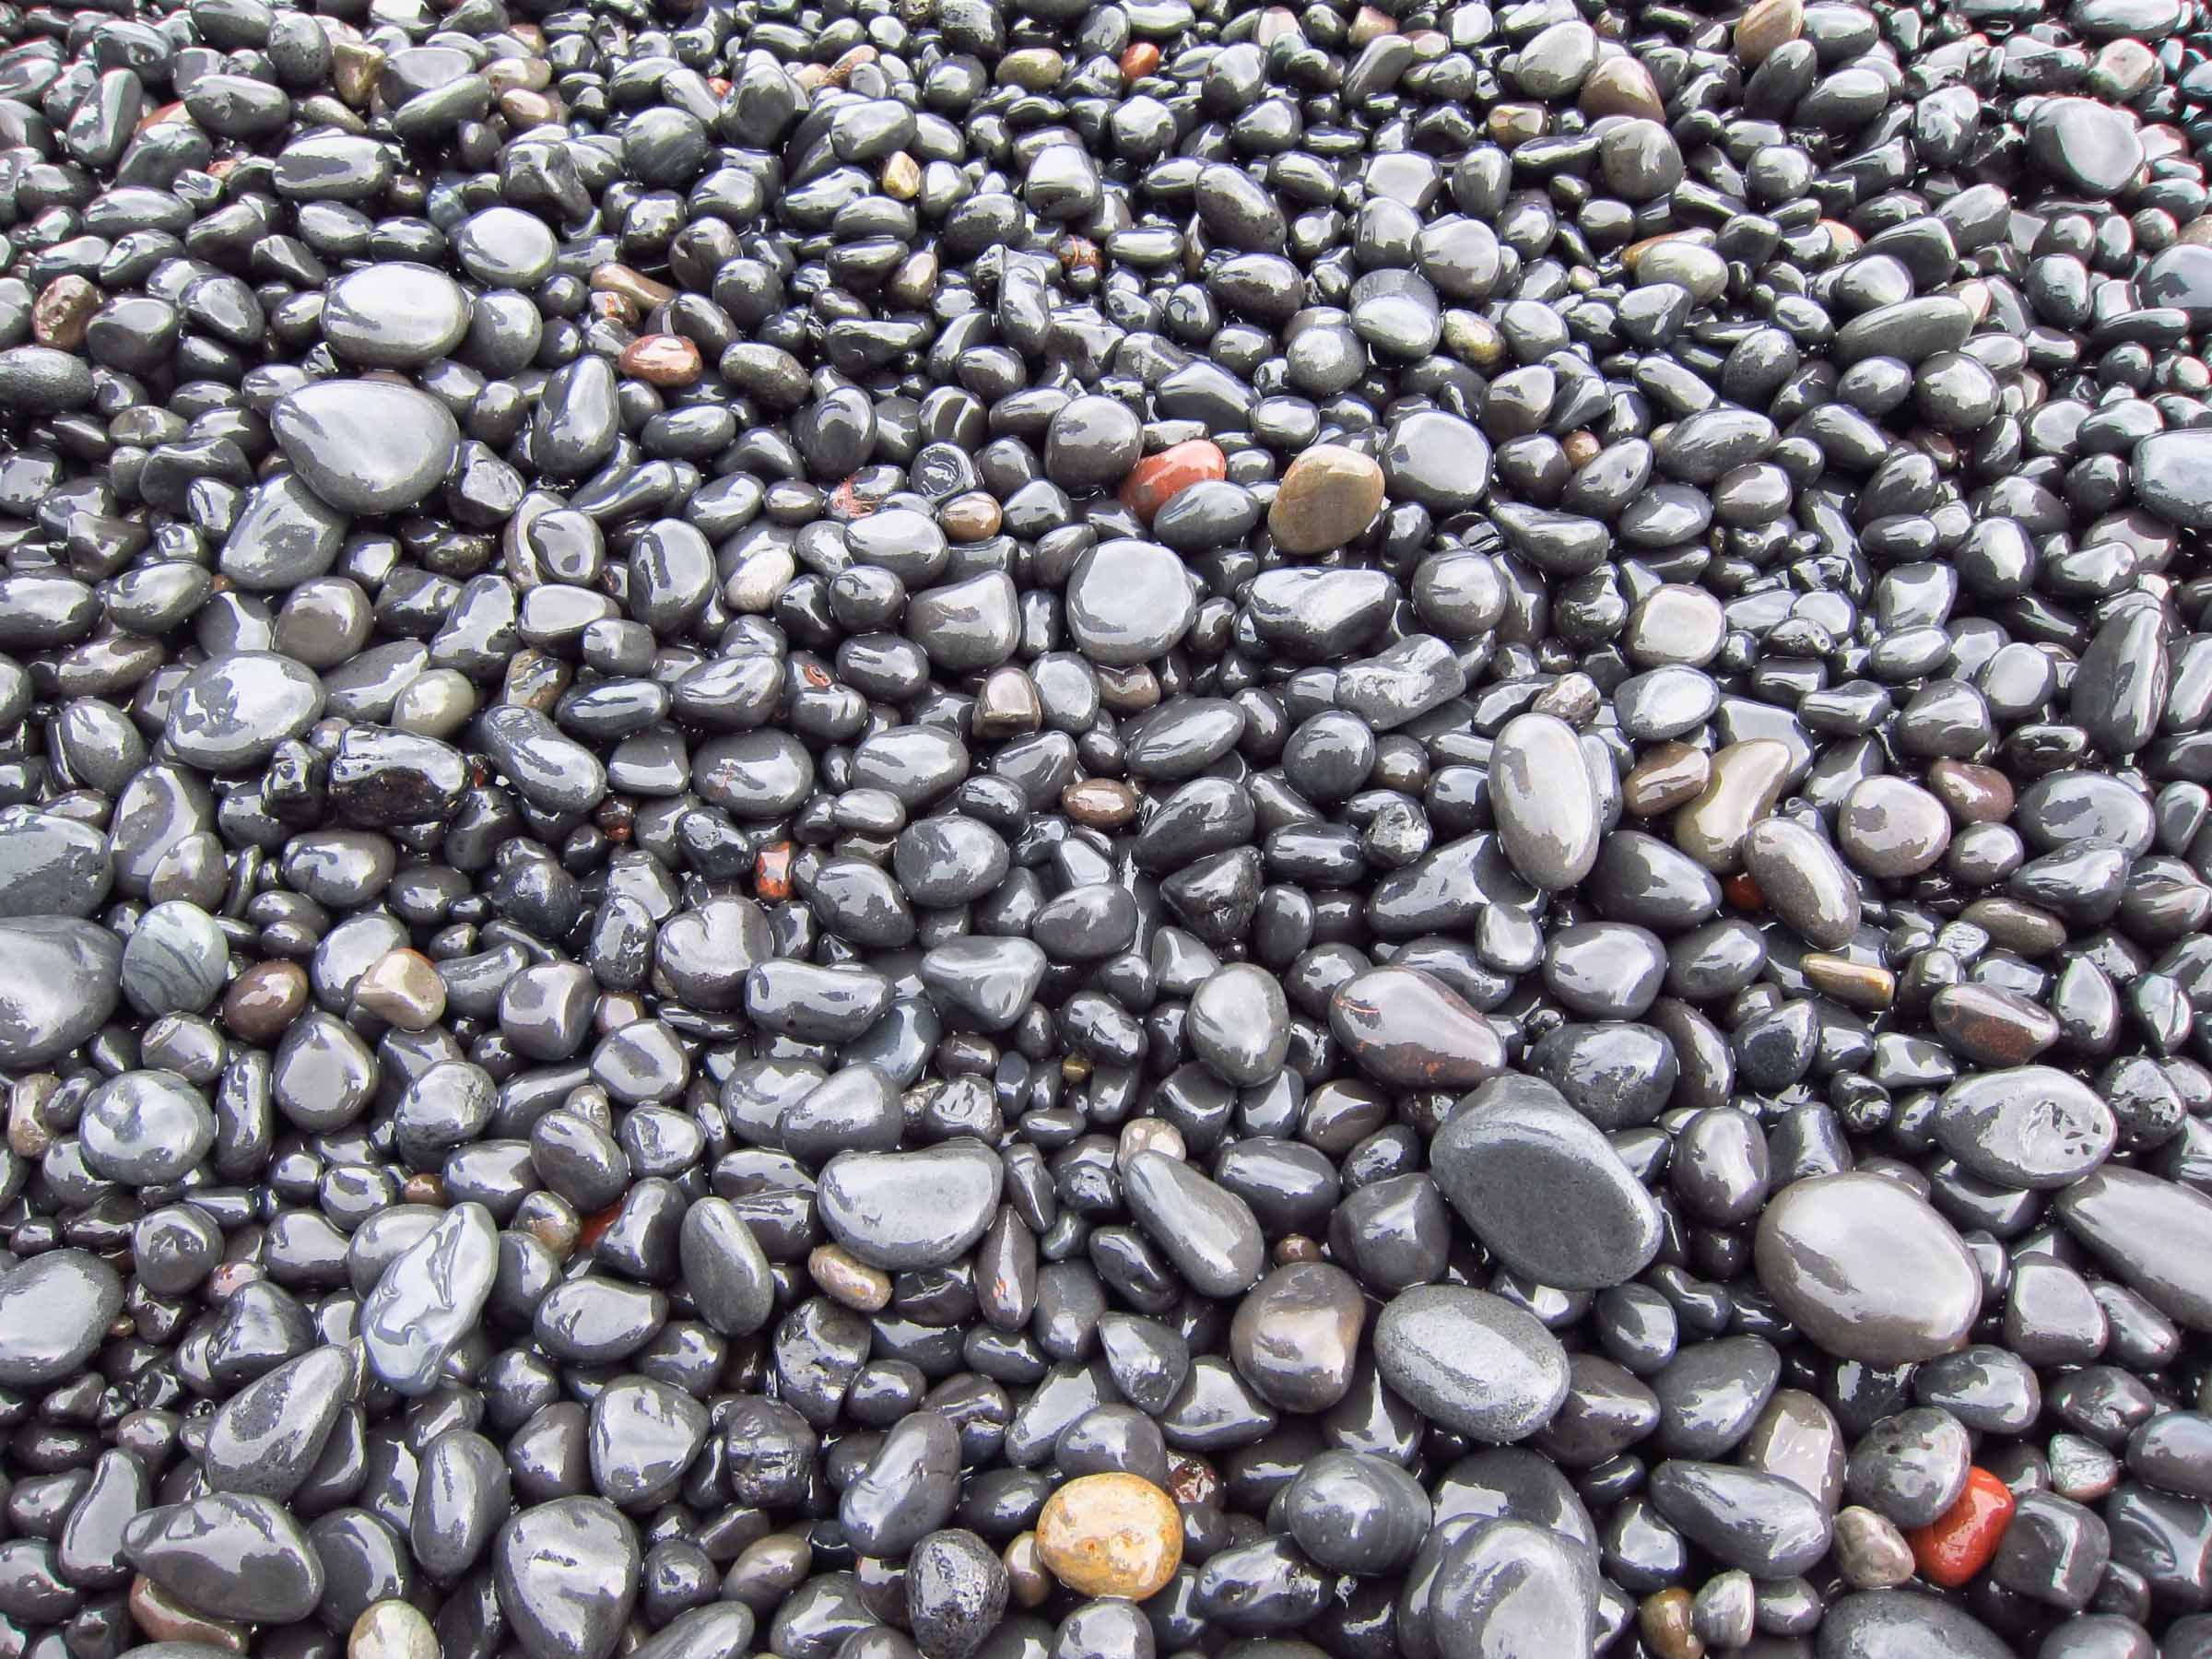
(908, 1489)
(1546, 810)
(54, 1311)
(1111, 1534)
(268, 1436)
(643, 1434)
(2153, 1235)
(51, 866)
(1356, 1512)
(1206, 1231)
(1329, 496)
(2029, 1127)
(429, 1297)
(233, 712)
(1128, 602)
(1745, 780)
(567, 1576)
(1868, 1269)
(62, 979)
(1295, 1336)
(2171, 476)
(366, 446)
(1239, 1024)
(724, 1269)
(1508, 1588)
(175, 960)
(1905, 1624)
(904, 1210)
(1515, 1157)
(230, 1556)
(1803, 881)
(1761, 1523)
(145, 1128)
(1471, 1360)
(396, 315)
(1406, 1028)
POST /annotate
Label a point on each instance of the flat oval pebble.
(1866, 1269)
(366, 446)
(1471, 1360)
(2025, 1126)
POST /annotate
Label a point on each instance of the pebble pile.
(927, 829)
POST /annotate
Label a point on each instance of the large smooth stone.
(51, 866)
(2154, 1235)
(1767, 1526)
(2025, 1126)
(1128, 602)
(2173, 476)
(1206, 1231)
(230, 1556)
(1546, 810)
(1509, 1590)
(1868, 1269)
(430, 1299)
(567, 1575)
(1905, 1624)
(396, 315)
(233, 712)
(1473, 1362)
(54, 1311)
(62, 982)
(366, 446)
(1543, 1188)
(902, 1210)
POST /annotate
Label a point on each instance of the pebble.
(1868, 1269)
(1111, 1535)
(1431, 783)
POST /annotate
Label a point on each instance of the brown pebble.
(1111, 1535)
(29, 1133)
(1513, 124)
(402, 988)
(1329, 496)
(1871, 1553)
(1664, 1618)
(525, 109)
(1293, 1248)
(1147, 1135)
(1855, 984)
(1099, 803)
(1129, 690)
(846, 1279)
(634, 286)
(1666, 777)
(425, 1187)
(518, 75)
(660, 360)
(1007, 705)
(62, 309)
(1975, 794)
(902, 176)
(1621, 86)
(971, 517)
(1768, 24)
(1191, 1479)
(263, 1001)
(1028, 1584)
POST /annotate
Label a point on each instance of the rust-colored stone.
(263, 1001)
(1157, 479)
(1111, 1535)
(661, 359)
(62, 309)
(1139, 58)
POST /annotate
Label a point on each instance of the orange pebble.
(772, 872)
(1152, 481)
(1958, 1544)
(1138, 60)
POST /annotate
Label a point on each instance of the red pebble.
(1156, 479)
(1958, 1544)
(594, 1225)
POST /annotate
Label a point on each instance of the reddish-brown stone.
(1156, 480)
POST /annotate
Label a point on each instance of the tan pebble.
(391, 1629)
(402, 988)
(62, 309)
(1329, 495)
(1099, 803)
(848, 1280)
(1147, 1135)
(633, 286)
(1111, 1535)
(1768, 24)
